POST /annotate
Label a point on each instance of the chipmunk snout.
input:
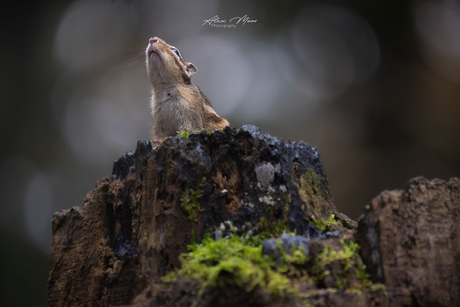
(152, 47)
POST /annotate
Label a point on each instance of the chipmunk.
(177, 103)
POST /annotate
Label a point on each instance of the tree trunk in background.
(135, 224)
(410, 241)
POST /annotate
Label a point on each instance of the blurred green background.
(374, 85)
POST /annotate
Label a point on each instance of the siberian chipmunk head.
(177, 103)
(165, 63)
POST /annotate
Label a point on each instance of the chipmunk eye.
(176, 51)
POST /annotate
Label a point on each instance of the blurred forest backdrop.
(374, 85)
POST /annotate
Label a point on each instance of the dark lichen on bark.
(136, 225)
(137, 222)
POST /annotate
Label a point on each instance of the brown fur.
(176, 103)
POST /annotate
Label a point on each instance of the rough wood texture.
(135, 224)
(321, 292)
(410, 241)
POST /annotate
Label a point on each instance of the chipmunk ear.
(191, 69)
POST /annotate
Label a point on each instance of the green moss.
(190, 202)
(287, 198)
(185, 134)
(340, 283)
(362, 275)
(329, 255)
(311, 185)
(311, 192)
(352, 276)
(286, 202)
(233, 261)
(293, 264)
(271, 230)
(323, 224)
(239, 261)
(379, 287)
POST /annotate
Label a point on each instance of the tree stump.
(135, 225)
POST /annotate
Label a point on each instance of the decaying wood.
(410, 241)
(134, 225)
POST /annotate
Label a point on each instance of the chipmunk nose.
(153, 40)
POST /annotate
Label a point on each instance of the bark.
(134, 225)
(410, 241)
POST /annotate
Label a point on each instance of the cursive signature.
(244, 19)
(235, 20)
(214, 19)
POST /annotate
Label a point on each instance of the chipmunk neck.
(167, 92)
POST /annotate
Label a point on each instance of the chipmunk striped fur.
(176, 103)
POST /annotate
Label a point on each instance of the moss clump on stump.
(238, 261)
(191, 201)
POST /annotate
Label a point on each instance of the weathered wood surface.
(135, 224)
(410, 241)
